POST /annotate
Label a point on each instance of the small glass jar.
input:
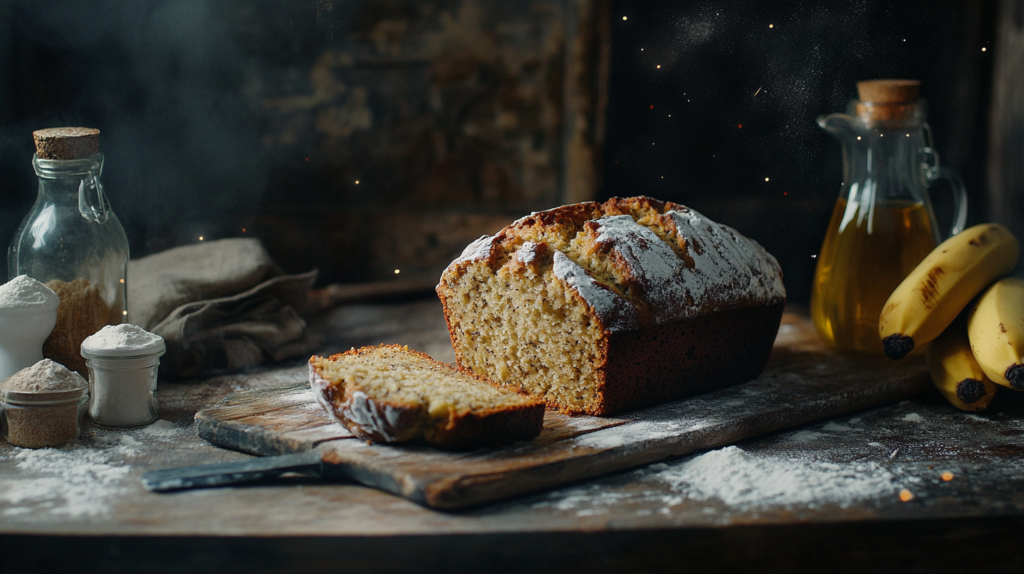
(40, 419)
(122, 388)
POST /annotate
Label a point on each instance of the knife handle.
(228, 473)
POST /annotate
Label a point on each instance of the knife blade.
(238, 472)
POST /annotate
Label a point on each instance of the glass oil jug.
(72, 241)
(882, 225)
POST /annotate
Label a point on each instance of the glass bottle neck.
(63, 177)
(61, 190)
(74, 181)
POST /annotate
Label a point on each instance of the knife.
(238, 472)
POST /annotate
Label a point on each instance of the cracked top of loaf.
(636, 261)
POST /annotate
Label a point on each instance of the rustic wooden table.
(913, 486)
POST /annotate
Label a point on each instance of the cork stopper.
(67, 143)
(887, 100)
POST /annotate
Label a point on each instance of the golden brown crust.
(385, 420)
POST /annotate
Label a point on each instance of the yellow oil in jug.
(867, 252)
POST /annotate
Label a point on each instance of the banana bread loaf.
(600, 307)
(392, 394)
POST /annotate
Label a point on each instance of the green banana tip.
(898, 346)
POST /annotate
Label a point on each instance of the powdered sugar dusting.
(477, 250)
(652, 262)
(613, 311)
(728, 271)
(727, 265)
(527, 252)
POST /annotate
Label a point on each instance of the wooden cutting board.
(802, 382)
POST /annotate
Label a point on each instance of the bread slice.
(392, 394)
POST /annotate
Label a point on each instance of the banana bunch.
(956, 373)
(965, 361)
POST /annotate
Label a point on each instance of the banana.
(955, 372)
(996, 330)
(935, 292)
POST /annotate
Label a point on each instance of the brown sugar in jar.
(81, 313)
(42, 406)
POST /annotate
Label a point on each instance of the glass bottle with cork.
(72, 241)
(882, 225)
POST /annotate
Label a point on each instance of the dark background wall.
(219, 116)
(772, 68)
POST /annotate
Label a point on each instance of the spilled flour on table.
(978, 418)
(162, 428)
(740, 479)
(82, 479)
(298, 398)
(78, 480)
(806, 436)
(313, 407)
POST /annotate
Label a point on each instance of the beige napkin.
(219, 305)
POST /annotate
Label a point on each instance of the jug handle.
(933, 171)
(98, 212)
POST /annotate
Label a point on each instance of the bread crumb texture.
(533, 307)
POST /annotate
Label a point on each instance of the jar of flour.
(28, 312)
(122, 362)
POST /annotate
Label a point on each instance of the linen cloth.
(220, 306)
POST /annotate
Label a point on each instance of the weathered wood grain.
(803, 382)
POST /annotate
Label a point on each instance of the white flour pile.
(741, 480)
(122, 339)
(24, 292)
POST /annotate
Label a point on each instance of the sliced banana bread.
(393, 394)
